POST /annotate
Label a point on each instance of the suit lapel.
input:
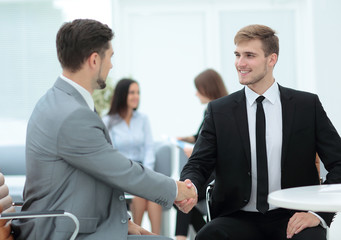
(241, 120)
(288, 114)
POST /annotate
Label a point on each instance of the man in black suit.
(296, 128)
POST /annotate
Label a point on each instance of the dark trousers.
(183, 220)
(256, 226)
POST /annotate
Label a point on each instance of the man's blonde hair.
(270, 42)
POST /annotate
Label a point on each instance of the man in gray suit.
(71, 164)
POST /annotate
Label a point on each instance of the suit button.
(246, 201)
(121, 198)
(123, 221)
(249, 173)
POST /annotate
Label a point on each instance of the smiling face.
(253, 67)
(133, 97)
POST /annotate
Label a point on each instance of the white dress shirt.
(273, 131)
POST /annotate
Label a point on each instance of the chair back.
(163, 158)
(7, 212)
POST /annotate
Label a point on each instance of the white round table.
(319, 198)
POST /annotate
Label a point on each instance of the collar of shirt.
(82, 91)
(270, 95)
(117, 117)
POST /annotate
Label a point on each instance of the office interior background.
(164, 44)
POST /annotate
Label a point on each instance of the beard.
(255, 79)
(100, 80)
(101, 83)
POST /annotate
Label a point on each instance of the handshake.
(187, 196)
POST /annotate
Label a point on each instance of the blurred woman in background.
(210, 86)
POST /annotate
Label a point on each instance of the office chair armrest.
(208, 199)
(17, 204)
(57, 213)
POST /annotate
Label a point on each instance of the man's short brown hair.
(265, 34)
(78, 39)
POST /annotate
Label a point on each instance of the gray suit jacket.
(72, 166)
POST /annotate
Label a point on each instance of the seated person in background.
(210, 86)
(70, 161)
(131, 135)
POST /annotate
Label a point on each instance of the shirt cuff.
(322, 222)
(176, 188)
(196, 191)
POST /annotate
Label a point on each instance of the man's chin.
(243, 82)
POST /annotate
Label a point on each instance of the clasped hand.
(187, 196)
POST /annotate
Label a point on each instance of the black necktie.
(262, 164)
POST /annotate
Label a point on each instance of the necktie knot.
(260, 99)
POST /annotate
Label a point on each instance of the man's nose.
(240, 62)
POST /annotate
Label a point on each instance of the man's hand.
(187, 196)
(300, 221)
(134, 229)
(189, 139)
(186, 190)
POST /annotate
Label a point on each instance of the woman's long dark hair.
(119, 99)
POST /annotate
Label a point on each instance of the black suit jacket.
(224, 146)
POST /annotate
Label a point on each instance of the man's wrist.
(322, 222)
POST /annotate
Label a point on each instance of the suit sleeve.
(202, 161)
(328, 145)
(82, 143)
(329, 150)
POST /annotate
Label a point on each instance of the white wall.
(164, 49)
(327, 36)
(29, 64)
(164, 45)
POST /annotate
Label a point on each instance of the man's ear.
(273, 59)
(93, 60)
